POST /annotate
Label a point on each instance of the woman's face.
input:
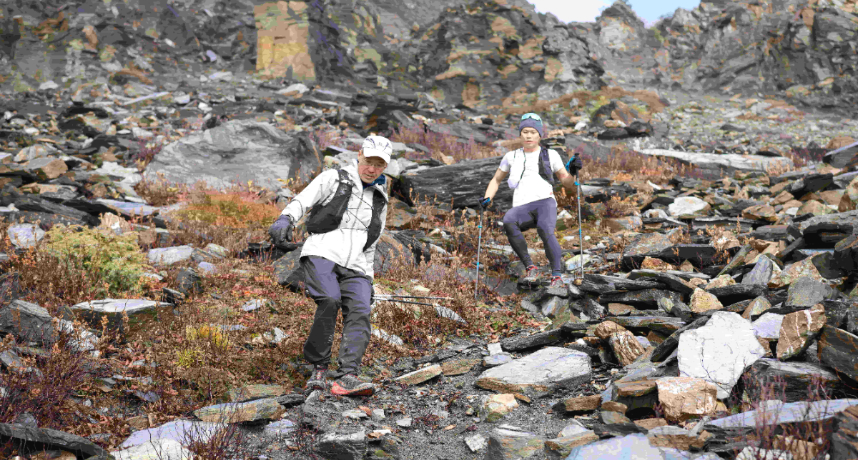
(530, 136)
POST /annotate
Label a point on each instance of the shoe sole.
(340, 391)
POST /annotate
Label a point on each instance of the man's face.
(369, 168)
(530, 136)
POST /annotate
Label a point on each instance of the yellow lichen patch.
(502, 26)
(471, 94)
(458, 53)
(453, 72)
(553, 68)
(531, 48)
(507, 70)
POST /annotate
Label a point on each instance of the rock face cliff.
(806, 48)
(474, 53)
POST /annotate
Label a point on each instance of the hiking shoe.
(532, 275)
(557, 282)
(349, 385)
(318, 380)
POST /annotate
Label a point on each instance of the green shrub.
(115, 258)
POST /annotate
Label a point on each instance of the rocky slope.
(716, 313)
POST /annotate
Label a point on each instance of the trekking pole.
(479, 246)
(391, 296)
(580, 232)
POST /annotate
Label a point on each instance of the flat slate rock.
(532, 341)
(181, 431)
(738, 292)
(50, 439)
(617, 283)
(801, 411)
(796, 375)
(646, 297)
(545, 370)
(687, 276)
(663, 324)
(630, 447)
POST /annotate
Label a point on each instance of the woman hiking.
(530, 170)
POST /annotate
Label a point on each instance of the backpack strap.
(545, 166)
(375, 224)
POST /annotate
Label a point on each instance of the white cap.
(377, 146)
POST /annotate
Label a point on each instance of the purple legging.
(541, 215)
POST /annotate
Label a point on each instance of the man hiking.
(347, 209)
(530, 172)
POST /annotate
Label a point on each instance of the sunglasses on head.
(531, 115)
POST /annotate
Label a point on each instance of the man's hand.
(574, 165)
(281, 230)
(485, 203)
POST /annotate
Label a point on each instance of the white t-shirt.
(532, 187)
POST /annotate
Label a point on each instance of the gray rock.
(255, 304)
(497, 360)
(797, 376)
(664, 325)
(236, 152)
(645, 298)
(780, 413)
(843, 156)
(476, 442)
(544, 370)
(25, 236)
(510, 443)
(718, 163)
(343, 446)
(114, 310)
(251, 411)
(768, 326)
(806, 292)
(532, 341)
(761, 272)
(51, 439)
(720, 351)
(28, 322)
(170, 256)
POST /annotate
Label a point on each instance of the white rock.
(161, 449)
(687, 205)
(476, 442)
(720, 351)
(297, 87)
(548, 368)
(48, 85)
(25, 235)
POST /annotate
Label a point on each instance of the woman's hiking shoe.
(532, 276)
(349, 385)
(318, 380)
(557, 282)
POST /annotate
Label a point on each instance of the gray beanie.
(531, 123)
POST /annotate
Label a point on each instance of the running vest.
(544, 171)
(328, 217)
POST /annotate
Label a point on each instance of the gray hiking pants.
(333, 287)
(541, 215)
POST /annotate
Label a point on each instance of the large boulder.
(720, 351)
(546, 370)
(237, 152)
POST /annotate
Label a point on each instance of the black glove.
(574, 165)
(485, 203)
(281, 230)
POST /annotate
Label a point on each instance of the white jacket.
(344, 245)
